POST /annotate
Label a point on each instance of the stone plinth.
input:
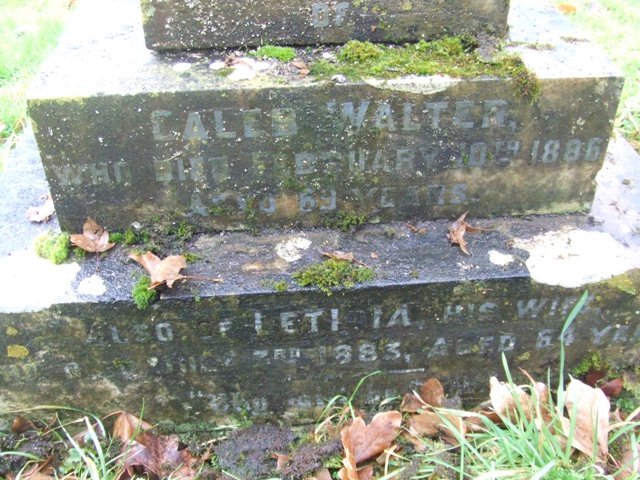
(72, 335)
(201, 24)
(137, 137)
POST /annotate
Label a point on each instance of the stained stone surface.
(133, 136)
(201, 24)
(71, 334)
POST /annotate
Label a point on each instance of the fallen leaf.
(366, 441)
(128, 427)
(161, 271)
(588, 410)
(593, 377)
(42, 213)
(432, 392)
(629, 462)
(160, 456)
(300, 65)
(374, 255)
(613, 388)
(425, 424)
(93, 238)
(412, 403)
(21, 424)
(322, 474)
(448, 426)
(507, 400)
(414, 229)
(281, 461)
(338, 255)
(566, 8)
(457, 231)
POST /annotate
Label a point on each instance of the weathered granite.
(71, 334)
(132, 136)
(201, 24)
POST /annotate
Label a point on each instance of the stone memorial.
(175, 142)
(201, 24)
(144, 138)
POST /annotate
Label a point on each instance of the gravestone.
(140, 137)
(200, 24)
(144, 140)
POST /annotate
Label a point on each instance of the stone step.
(201, 24)
(72, 335)
(133, 136)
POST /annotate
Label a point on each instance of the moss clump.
(453, 56)
(346, 221)
(284, 54)
(183, 231)
(332, 274)
(592, 362)
(142, 296)
(116, 237)
(356, 51)
(191, 257)
(53, 247)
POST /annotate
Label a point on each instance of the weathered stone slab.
(71, 334)
(201, 24)
(143, 138)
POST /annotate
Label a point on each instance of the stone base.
(133, 136)
(72, 335)
(201, 24)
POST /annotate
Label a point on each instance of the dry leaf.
(281, 461)
(374, 255)
(128, 427)
(629, 462)
(425, 424)
(366, 441)
(93, 238)
(448, 426)
(457, 231)
(338, 255)
(506, 399)
(432, 392)
(588, 409)
(42, 213)
(414, 229)
(300, 65)
(566, 8)
(161, 271)
(411, 403)
(613, 388)
(21, 424)
(160, 456)
(322, 474)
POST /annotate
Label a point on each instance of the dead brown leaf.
(322, 474)
(457, 231)
(507, 399)
(93, 238)
(160, 456)
(42, 213)
(588, 410)
(629, 462)
(161, 271)
(366, 441)
(374, 255)
(411, 403)
(128, 427)
(425, 424)
(21, 424)
(566, 8)
(300, 65)
(414, 229)
(448, 426)
(432, 392)
(613, 388)
(338, 255)
(281, 461)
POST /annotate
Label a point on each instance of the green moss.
(284, 54)
(332, 274)
(346, 221)
(453, 56)
(625, 283)
(183, 231)
(116, 237)
(356, 51)
(592, 362)
(191, 257)
(142, 296)
(224, 72)
(53, 247)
